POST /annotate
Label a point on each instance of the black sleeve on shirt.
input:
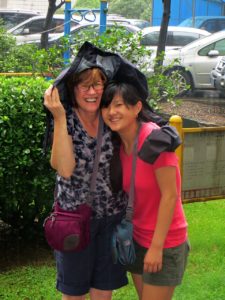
(164, 139)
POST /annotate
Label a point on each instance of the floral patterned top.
(72, 192)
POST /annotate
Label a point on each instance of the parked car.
(91, 16)
(176, 36)
(91, 28)
(135, 22)
(139, 23)
(195, 61)
(12, 17)
(31, 29)
(217, 76)
(209, 23)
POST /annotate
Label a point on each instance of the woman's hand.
(153, 260)
(53, 104)
(62, 156)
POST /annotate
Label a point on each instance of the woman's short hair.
(88, 76)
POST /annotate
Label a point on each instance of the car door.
(201, 62)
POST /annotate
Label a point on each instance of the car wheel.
(181, 80)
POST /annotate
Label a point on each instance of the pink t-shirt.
(147, 195)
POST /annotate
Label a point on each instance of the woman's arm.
(166, 179)
(62, 156)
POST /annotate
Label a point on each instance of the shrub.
(28, 57)
(26, 179)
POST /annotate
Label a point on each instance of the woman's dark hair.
(130, 95)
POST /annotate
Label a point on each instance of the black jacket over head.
(114, 66)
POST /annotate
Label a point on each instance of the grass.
(204, 278)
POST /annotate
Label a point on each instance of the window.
(174, 38)
(214, 25)
(221, 24)
(210, 25)
(12, 19)
(183, 38)
(219, 45)
(37, 26)
(34, 27)
(150, 39)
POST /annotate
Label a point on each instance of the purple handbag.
(68, 230)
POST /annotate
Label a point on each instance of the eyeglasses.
(96, 86)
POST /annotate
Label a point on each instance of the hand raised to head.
(52, 102)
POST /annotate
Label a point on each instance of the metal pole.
(103, 13)
(151, 17)
(193, 12)
(67, 14)
(177, 122)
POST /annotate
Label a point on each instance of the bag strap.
(95, 165)
(129, 210)
(96, 161)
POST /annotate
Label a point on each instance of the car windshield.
(191, 22)
(10, 20)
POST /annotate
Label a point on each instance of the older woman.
(74, 104)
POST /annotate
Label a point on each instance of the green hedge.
(26, 179)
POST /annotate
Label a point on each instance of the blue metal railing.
(83, 15)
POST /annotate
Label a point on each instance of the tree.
(131, 9)
(87, 4)
(163, 32)
(52, 7)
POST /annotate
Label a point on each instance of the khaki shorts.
(174, 264)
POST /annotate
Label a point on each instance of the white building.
(36, 5)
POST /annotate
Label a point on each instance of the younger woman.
(160, 228)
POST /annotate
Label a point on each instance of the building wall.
(40, 5)
(182, 9)
(36, 5)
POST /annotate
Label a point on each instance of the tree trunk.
(163, 32)
(52, 7)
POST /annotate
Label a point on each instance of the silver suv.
(217, 76)
(12, 17)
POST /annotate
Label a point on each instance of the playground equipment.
(84, 14)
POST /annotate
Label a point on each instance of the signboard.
(203, 164)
